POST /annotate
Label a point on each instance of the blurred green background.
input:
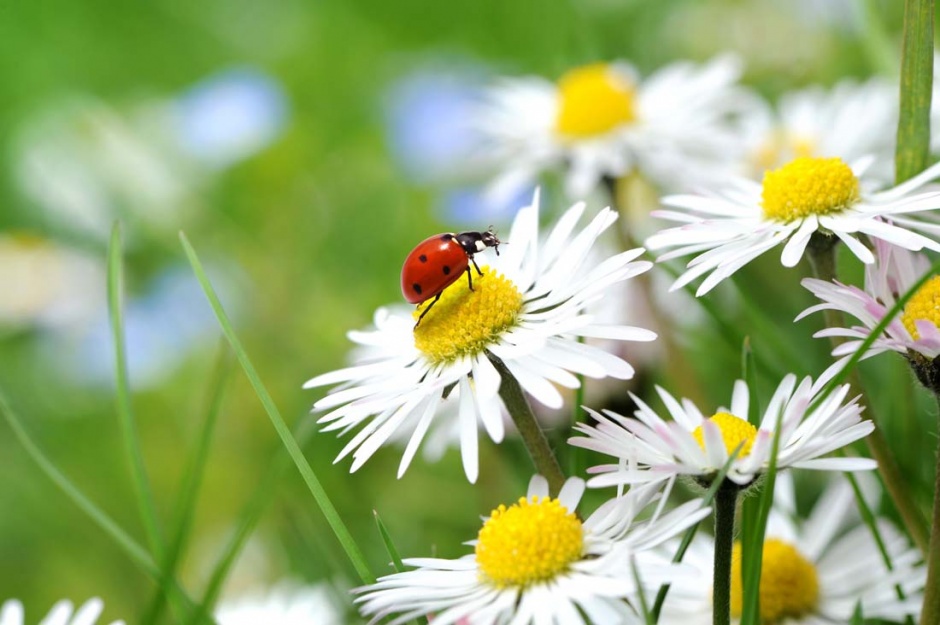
(303, 222)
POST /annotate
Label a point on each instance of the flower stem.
(822, 256)
(726, 500)
(535, 442)
(930, 612)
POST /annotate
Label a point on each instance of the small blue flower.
(231, 115)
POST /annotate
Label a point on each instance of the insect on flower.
(437, 262)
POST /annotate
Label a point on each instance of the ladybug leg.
(425, 311)
(470, 275)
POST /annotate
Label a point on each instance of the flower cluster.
(739, 179)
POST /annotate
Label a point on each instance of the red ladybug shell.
(432, 266)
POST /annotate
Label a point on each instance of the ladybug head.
(475, 242)
(489, 239)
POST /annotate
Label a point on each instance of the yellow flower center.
(734, 432)
(464, 322)
(593, 100)
(789, 585)
(531, 541)
(925, 304)
(808, 186)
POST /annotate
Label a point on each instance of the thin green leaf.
(142, 492)
(192, 479)
(397, 564)
(352, 549)
(754, 550)
(137, 554)
(913, 145)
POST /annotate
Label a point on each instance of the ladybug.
(437, 262)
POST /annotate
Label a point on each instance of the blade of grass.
(142, 492)
(750, 506)
(329, 511)
(192, 480)
(397, 564)
(137, 554)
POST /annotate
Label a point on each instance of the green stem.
(821, 254)
(546, 464)
(726, 500)
(930, 612)
(913, 146)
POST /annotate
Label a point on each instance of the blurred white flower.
(851, 120)
(288, 603)
(47, 285)
(85, 162)
(679, 126)
(62, 613)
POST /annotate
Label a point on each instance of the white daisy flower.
(851, 121)
(287, 603)
(915, 331)
(537, 562)
(62, 613)
(808, 195)
(690, 444)
(527, 312)
(677, 126)
(814, 571)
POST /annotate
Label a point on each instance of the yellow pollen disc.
(464, 322)
(925, 304)
(789, 585)
(734, 432)
(808, 186)
(593, 100)
(531, 541)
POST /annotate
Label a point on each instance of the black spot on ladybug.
(423, 258)
(446, 270)
(447, 236)
(416, 288)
